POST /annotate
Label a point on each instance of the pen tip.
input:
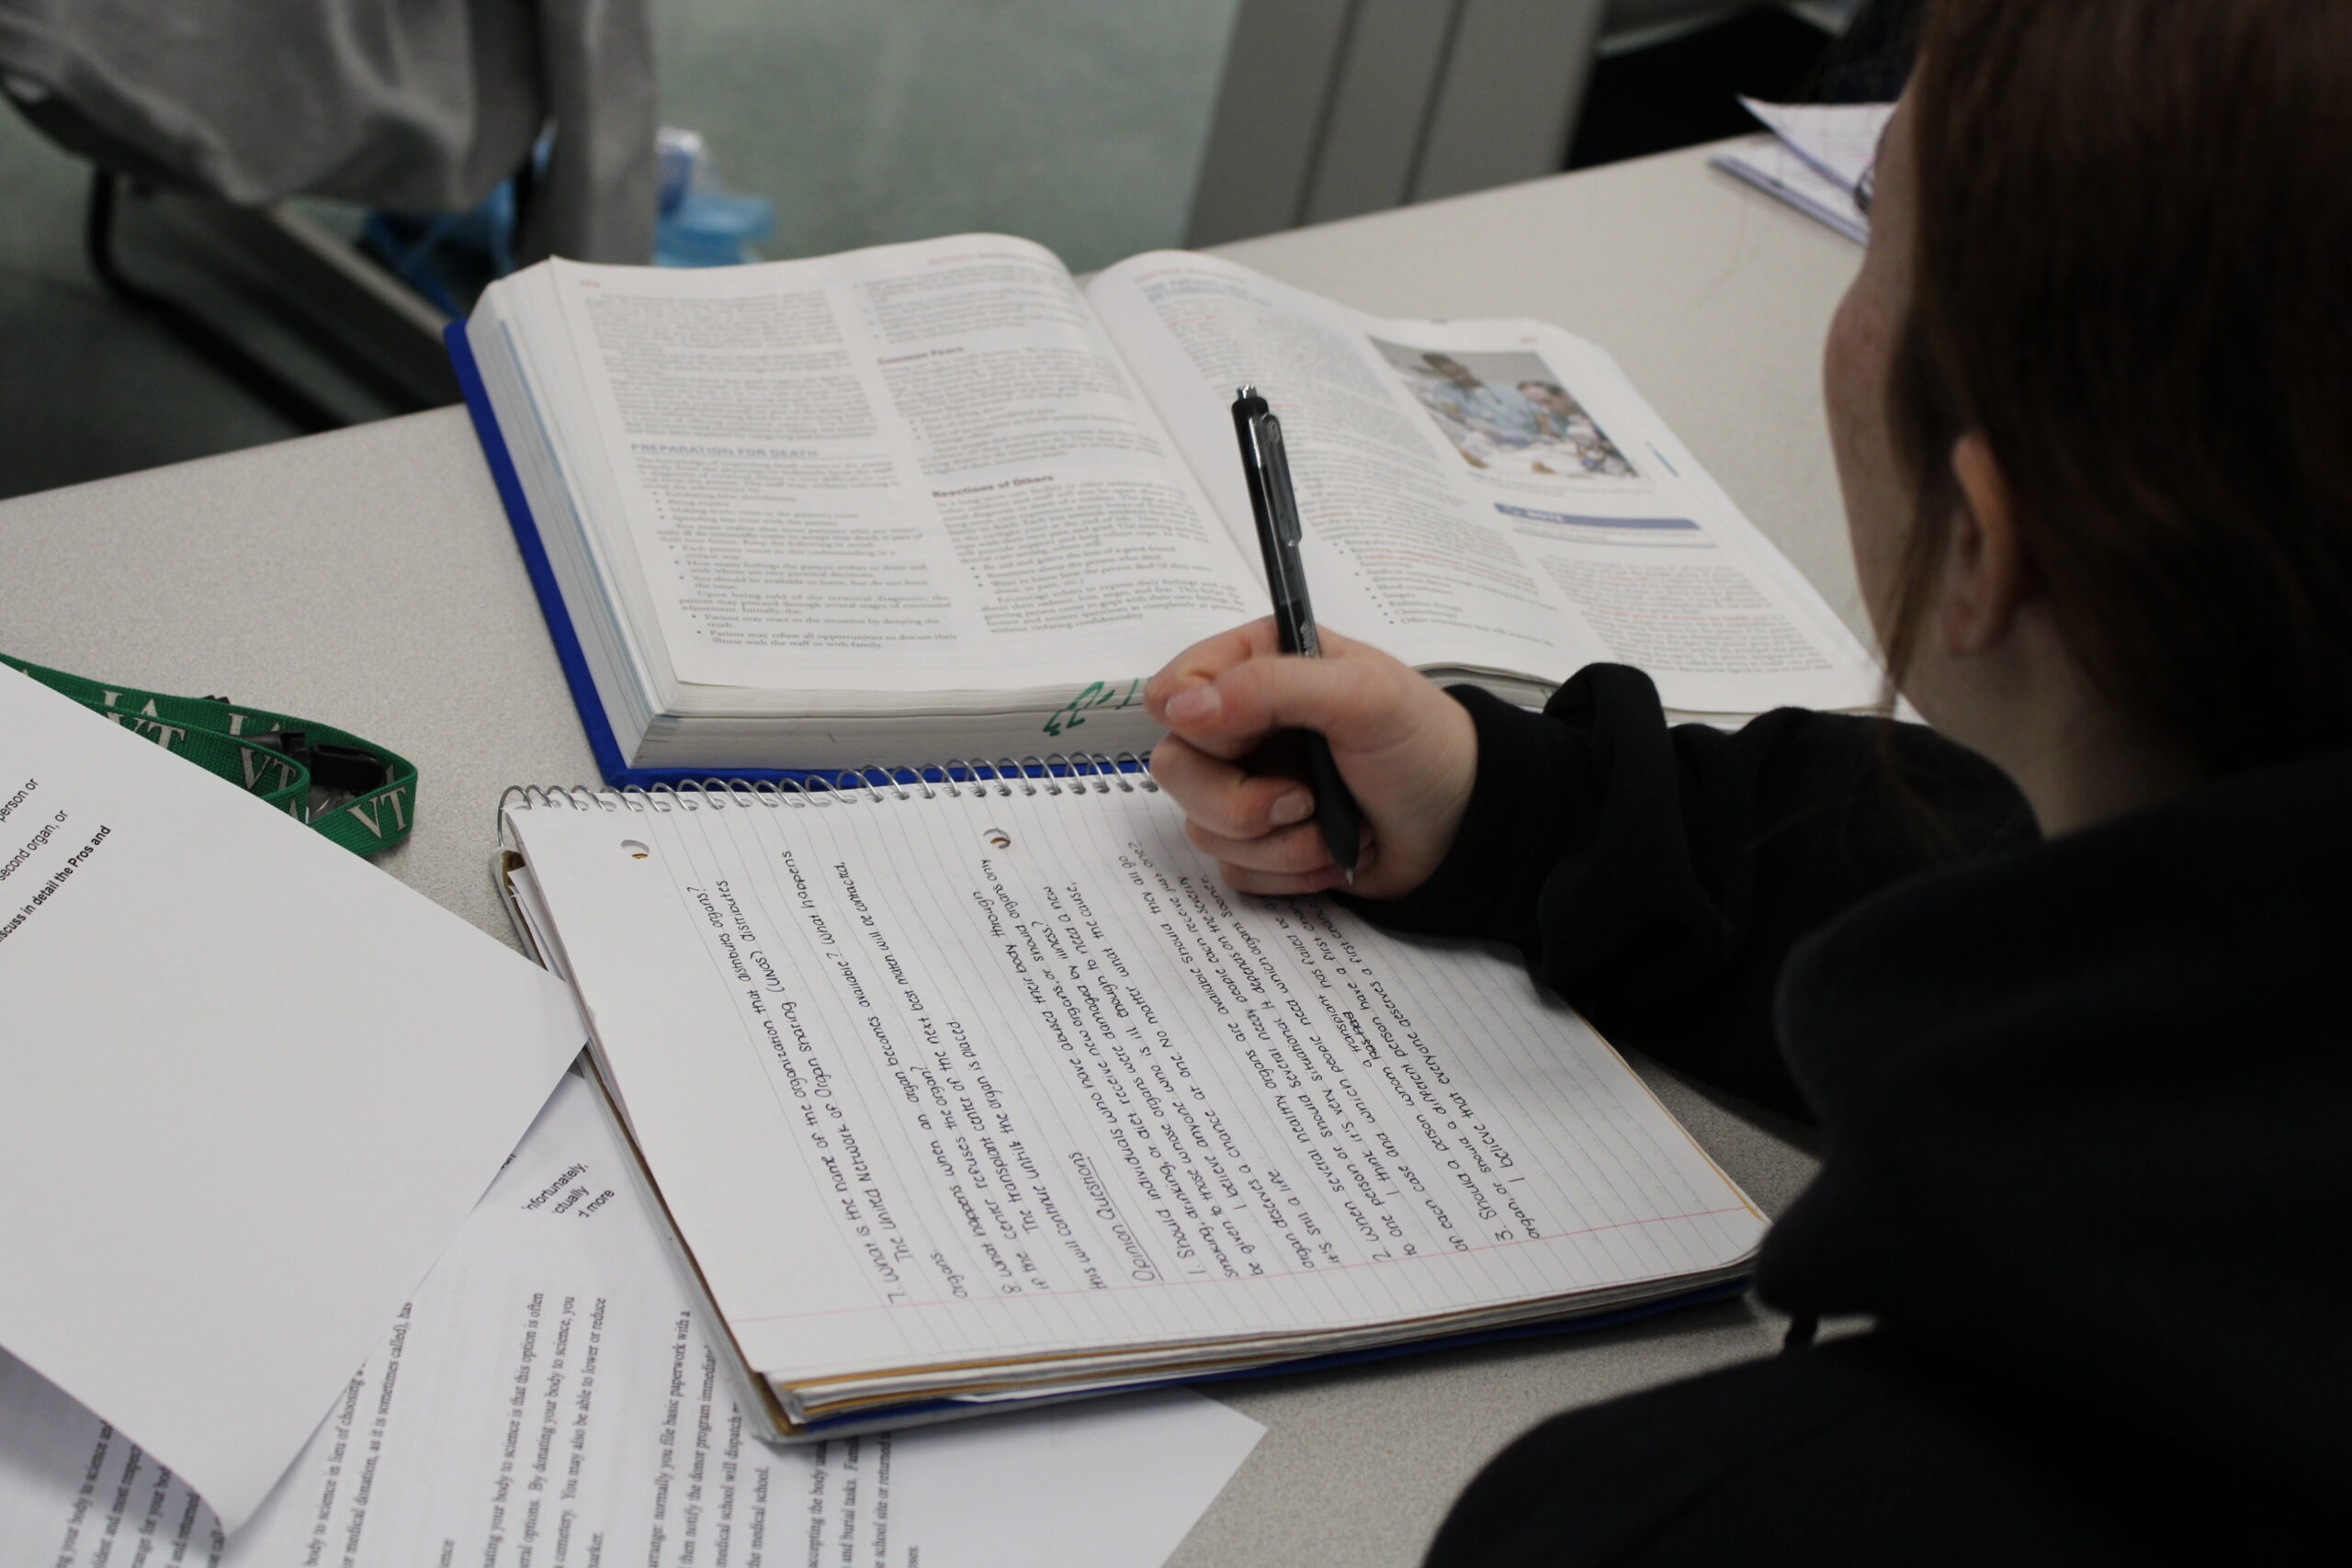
(1347, 874)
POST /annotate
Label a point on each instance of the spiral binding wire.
(1083, 772)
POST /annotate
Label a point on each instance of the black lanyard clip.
(344, 768)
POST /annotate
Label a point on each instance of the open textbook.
(959, 1097)
(550, 1397)
(939, 499)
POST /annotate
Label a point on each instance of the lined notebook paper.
(987, 1094)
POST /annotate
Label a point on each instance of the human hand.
(1408, 751)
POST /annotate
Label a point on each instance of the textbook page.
(911, 468)
(930, 1080)
(1483, 495)
(249, 1086)
(550, 1397)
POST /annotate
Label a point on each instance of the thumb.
(1344, 699)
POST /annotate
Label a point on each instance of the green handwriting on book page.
(1098, 696)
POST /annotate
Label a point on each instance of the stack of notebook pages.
(964, 1096)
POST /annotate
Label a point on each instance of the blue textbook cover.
(601, 740)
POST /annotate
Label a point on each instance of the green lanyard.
(282, 759)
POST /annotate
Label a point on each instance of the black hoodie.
(2084, 1106)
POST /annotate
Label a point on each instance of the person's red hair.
(2134, 276)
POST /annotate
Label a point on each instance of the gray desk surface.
(367, 577)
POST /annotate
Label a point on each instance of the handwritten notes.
(941, 1081)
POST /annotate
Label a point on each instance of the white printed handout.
(249, 1086)
(550, 1398)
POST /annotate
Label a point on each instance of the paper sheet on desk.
(250, 1087)
(548, 1394)
(1840, 140)
(1814, 158)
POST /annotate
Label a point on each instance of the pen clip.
(1282, 499)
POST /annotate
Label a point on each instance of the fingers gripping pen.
(1275, 506)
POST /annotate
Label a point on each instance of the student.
(2061, 982)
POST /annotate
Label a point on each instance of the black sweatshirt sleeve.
(1656, 878)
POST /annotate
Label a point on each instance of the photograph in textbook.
(1507, 411)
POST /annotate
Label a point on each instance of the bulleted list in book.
(940, 499)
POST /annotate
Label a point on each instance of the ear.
(1985, 575)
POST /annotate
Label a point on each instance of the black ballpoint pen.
(1275, 505)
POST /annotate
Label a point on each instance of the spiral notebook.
(963, 1093)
